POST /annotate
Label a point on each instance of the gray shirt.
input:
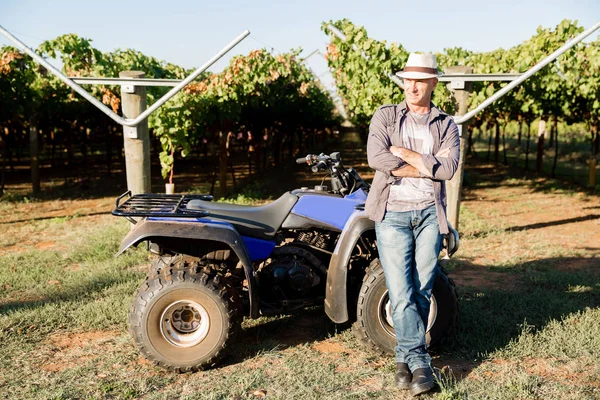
(384, 132)
(407, 194)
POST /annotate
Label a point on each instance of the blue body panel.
(258, 249)
(334, 211)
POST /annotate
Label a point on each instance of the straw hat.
(420, 66)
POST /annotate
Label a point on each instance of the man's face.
(418, 91)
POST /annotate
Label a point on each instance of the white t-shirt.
(408, 194)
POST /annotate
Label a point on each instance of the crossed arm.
(415, 167)
(404, 163)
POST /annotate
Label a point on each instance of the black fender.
(197, 231)
(336, 304)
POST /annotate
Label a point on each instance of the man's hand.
(404, 153)
(400, 151)
(407, 171)
(414, 160)
(410, 157)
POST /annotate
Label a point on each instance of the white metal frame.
(123, 82)
(516, 79)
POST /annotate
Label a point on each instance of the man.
(414, 148)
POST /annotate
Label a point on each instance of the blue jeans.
(409, 244)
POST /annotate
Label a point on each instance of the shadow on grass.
(490, 318)
(88, 290)
(553, 223)
(15, 221)
(538, 225)
(303, 327)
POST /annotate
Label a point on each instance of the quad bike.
(215, 263)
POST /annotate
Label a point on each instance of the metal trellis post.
(460, 93)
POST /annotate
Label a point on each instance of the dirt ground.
(542, 219)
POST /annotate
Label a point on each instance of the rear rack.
(158, 205)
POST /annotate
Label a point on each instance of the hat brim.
(417, 75)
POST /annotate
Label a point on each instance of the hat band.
(421, 69)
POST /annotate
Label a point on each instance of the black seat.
(260, 221)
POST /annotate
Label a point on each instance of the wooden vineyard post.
(136, 139)
(540, 149)
(460, 94)
(34, 151)
(223, 142)
(594, 150)
(592, 178)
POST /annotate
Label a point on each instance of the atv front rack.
(158, 205)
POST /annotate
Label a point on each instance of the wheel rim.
(184, 323)
(385, 314)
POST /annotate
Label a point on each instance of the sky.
(188, 33)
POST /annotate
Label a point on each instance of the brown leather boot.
(403, 376)
(422, 381)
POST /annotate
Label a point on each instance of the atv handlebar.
(320, 165)
(343, 181)
(316, 162)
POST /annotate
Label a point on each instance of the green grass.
(81, 288)
(253, 193)
(558, 361)
(491, 319)
(575, 335)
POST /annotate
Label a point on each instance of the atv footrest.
(159, 205)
